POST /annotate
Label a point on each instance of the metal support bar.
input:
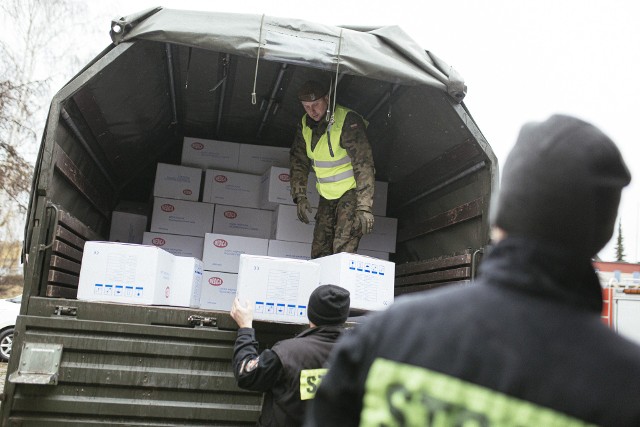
(172, 86)
(76, 132)
(272, 99)
(225, 73)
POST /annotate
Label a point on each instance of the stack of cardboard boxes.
(227, 199)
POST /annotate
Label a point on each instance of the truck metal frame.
(170, 74)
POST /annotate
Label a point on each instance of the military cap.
(312, 90)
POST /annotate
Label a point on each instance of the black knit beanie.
(328, 305)
(561, 184)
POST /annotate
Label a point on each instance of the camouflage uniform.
(337, 227)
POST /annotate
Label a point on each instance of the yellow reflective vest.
(334, 174)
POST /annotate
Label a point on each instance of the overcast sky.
(521, 60)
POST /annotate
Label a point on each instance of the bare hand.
(242, 313)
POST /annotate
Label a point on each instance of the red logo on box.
(197, 146)
(284, 177)
(158, 241)
(187, 192)
(220, 243)
(230, 214)
(167, 207)
(215, 281)
(220, 178)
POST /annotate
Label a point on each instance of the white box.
(231, 188)
(177, 182)
(222, 252)
(380, 191)
(218, 290)
(181, 217)
(275, 189)
(374, 254)
(126, 273)
(278, 289)
(183, 246)
(239, 221)
(257, 159)
(370, 281)
(186, 283)
(295, 250)
(383, 236)
(127, 227)
(210, 154)
(286, 225)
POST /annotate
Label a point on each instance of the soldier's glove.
(303, 208)
(366, 221)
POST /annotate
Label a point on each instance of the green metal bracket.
(39, 364)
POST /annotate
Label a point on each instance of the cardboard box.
(380, 191)
(286, 225)
(218, 290)
(369, 280)
(177, 182)
(383, 237)
(277, 288)
(222, 252)
(210, 154)
(186, 283)
(275, 189)
(127, 273)
(127, 227)
(256, 159)
(239, 221)
(181, 217)
(294, 250)
(183, 246)
(231, 188)
(374, 254)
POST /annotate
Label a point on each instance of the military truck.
(231, 77)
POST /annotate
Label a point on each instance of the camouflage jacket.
(354, 140)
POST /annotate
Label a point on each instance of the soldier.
(290, 372)
(342, 160)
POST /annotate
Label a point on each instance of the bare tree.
(39, 42)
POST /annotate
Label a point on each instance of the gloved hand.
(366, 221)
(303, 208)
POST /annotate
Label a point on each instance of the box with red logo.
(286, 225)
(177, 182)
(278, 289)
(181, 217)
(231, 188)
(275, 189)
(256, 159)
(222, 251)
(218, 290)
(239, 221)
(183, 246)
(210, 154)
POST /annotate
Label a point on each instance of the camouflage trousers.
(337, 226)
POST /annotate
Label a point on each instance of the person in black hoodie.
(524, 345)
(291, 371)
